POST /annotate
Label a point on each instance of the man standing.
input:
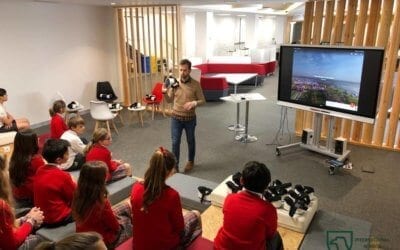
(186, 96)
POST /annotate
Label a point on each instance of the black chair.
(105, 92)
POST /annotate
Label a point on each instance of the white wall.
(47, 48)
(200, 39)
(280, 26)
(258, 32)
(225, 35)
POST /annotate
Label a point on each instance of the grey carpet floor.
(334, 231)
(368, 196)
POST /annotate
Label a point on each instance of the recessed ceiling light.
(112, 3)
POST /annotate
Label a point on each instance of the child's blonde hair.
(74, 121)
(99, 134)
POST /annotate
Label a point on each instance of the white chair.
(102, 114)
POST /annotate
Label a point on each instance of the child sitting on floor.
(7, 121)
(57, 123)
(53, 189)
(92, 210)
(250, 222)
(15, 233)
(24, 163)
(76, 156)
(97, 151)
(158, 222)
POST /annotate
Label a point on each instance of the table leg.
(245, 137)
(118, 114)
(140, 116)
(120, 117)
(237, 126)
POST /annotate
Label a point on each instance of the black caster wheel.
(277, 152)
(331, 170)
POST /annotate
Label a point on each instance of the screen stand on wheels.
(314, 144)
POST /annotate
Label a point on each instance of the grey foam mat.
(58, 233)
(187, 188)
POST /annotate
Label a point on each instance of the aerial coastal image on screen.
(326, 78)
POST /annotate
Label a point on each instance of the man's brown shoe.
(189, 166)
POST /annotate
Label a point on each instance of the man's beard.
(184, 79)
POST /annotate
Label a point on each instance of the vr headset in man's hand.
(171, 81)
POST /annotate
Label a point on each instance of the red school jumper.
(101, 153)
(248, 222)
(11, 237)
(102, 220)
(161, 226)
(25, 190)
(53, 190)
(57, 126)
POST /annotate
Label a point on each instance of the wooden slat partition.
(338, 24)
(359, 41)
(370, 41)
(319, 11)
(337, 40)
(133, 55)
(348, 41)
(124, 61)
(384, 102)
(145, 52)
(286, 35)
(148, 37)
(394, 115)
(174, 62)
(305, 39)
(330, 6)
(149, 42)
(358, 26)
(326, 37)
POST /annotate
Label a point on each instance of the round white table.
(139, 112)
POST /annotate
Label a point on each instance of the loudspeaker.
(340, 145)
(307, 136)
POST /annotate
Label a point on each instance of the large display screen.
(341, 81)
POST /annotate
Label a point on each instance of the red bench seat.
(216, 87)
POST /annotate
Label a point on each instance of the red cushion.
(203, 68)
(201, 243)
(213, 83)
(232, 68)
(271, 67)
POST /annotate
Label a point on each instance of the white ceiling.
(272, 7)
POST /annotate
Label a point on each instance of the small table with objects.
(74, 111)
(118, 112)
(235, 79)
(239, 98)
(139, 112)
